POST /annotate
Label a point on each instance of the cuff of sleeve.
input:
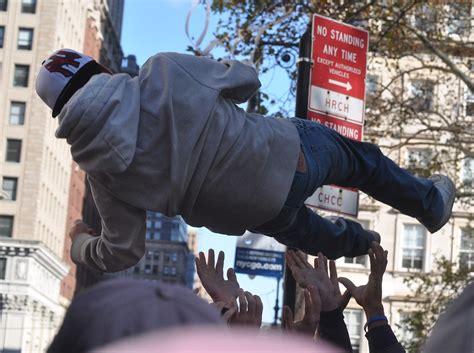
(331, 316)
(380, 337)
(78, 247)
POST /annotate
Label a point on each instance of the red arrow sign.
(339, 57)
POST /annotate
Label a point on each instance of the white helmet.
(62, 74)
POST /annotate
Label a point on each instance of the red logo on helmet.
(60, 59)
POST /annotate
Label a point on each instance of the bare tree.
(420, 70)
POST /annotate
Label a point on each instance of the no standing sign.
(337, 95)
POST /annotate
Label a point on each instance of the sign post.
(337, 96)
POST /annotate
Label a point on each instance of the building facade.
(35, 168)
(167, 256)
(433, 99)
(43, 192)
(101, 37)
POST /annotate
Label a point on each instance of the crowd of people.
(123, 315)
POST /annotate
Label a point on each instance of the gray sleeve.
(122, 241)
(233, 79)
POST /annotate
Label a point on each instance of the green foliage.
(432, 292)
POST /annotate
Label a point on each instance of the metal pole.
(276, 307)
(304, 69)
(301, 111)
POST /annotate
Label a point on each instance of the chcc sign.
(337, 95)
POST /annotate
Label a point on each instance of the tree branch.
(445, 58)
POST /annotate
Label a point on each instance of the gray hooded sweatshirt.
(173, 141)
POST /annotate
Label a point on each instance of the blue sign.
(259, 262)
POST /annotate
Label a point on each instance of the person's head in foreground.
(219, 341)
(116, 309)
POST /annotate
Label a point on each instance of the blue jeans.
(333, 159)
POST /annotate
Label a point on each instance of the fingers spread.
(242, 302)
(210, 259)
(346, 282)
(321, 264)
(302, 261)
(345, 299)
(251, 303)
(220, 264)
(231, 275)
(258, 309)
(333, 273)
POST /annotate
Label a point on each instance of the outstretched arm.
(122, 242)
(332, 327)
(369, 297)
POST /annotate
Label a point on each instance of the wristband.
(373, 319)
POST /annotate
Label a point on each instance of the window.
(3, 267)
(13, 150)
(6, 226)
(155, 269)
(17, 113)
(150, 234)
(149, 254)
(418, 161)
(468, 174)
(371, 84)
(28, 6)
(3, 5)
(156, 255)
(359, 260)
(466, 251)
(174, 256)
(22, 73)
(2, 35)
(425, 18)
(353, 318)
(136, 270)
(169, 271)
(25, 38)
(459, 18)
(470, 105)
(413, 246)
(147, 269)
(148, 224)
(9, 185)
(421, 95)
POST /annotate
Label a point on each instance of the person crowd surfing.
(174, 141)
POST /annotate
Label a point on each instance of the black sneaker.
(448, 191)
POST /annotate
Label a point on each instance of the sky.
(152, 26)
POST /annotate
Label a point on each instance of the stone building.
(42, 191)
(167, 256)
(101, 38)
(411, 248)
(35, 169)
